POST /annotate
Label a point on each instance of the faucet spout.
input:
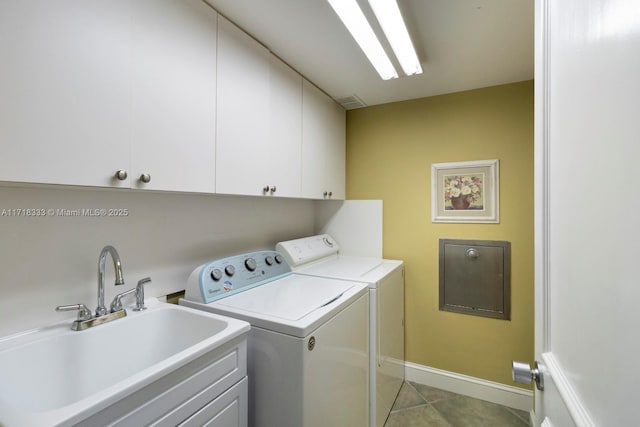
(101, 310)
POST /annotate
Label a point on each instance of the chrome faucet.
(85, 318)
(101, 310)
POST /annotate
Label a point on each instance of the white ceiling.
(462, 44)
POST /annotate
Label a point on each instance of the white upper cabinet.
(323, 145)
(65, 85)
(94, 87)
(158, 95)
(243, 111)
(335, 160)
(259, 118)
(173, 95)
(285, 136)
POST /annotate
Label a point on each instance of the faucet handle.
(116, 304)
(84, 313)
(140, 294)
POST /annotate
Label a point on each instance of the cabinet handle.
(325, 194)
(121, 175)
(265, 189)
(273, 189)
(330, 193)
(145, 177)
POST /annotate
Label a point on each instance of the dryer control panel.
(308, 249)
(227, 276)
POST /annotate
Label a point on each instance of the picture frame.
(465, 192)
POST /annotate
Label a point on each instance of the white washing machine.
(319, 256)
(308, 362)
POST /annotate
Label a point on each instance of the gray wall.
(52, 260)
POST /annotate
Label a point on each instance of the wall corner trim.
(490, 391)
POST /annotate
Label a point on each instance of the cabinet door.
(65, 82)
(335, 160)
(283, 149)
(314, 125)
(323, 145)
(242, 130)
(174, 95)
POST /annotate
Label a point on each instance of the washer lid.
(290, 298)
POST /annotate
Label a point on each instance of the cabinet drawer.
(228, 410)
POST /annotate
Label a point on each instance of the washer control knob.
(250, 263)
(279, 259)
(216, 275)
(269, 260)
(230, 270)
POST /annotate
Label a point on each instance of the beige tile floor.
(418, 405)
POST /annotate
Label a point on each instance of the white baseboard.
(490, 391)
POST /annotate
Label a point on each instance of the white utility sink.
(55, 376)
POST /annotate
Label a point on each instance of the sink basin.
(53, 375)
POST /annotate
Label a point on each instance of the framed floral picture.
(465, 192)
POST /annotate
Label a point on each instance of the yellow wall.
(390, 149)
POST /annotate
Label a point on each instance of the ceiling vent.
(351, 102)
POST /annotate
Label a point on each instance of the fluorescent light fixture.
(388, 14)
(353, 18)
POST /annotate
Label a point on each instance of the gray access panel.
(475, 277)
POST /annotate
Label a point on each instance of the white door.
(242, 128)
(314, 127)
(282, 162)
(587, 150)
(64, 91)
(335, 161)
(323, 145)
(173, 95)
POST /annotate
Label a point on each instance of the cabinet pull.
(145, 177)
(273, 189)
(121, 175)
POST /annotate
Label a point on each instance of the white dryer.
(319, 256)
(308, 363)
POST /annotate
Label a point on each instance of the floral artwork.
(463, 192)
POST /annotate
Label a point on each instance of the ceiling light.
(353, 18)
(390, 19)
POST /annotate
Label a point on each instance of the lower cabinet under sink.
(209, 390)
